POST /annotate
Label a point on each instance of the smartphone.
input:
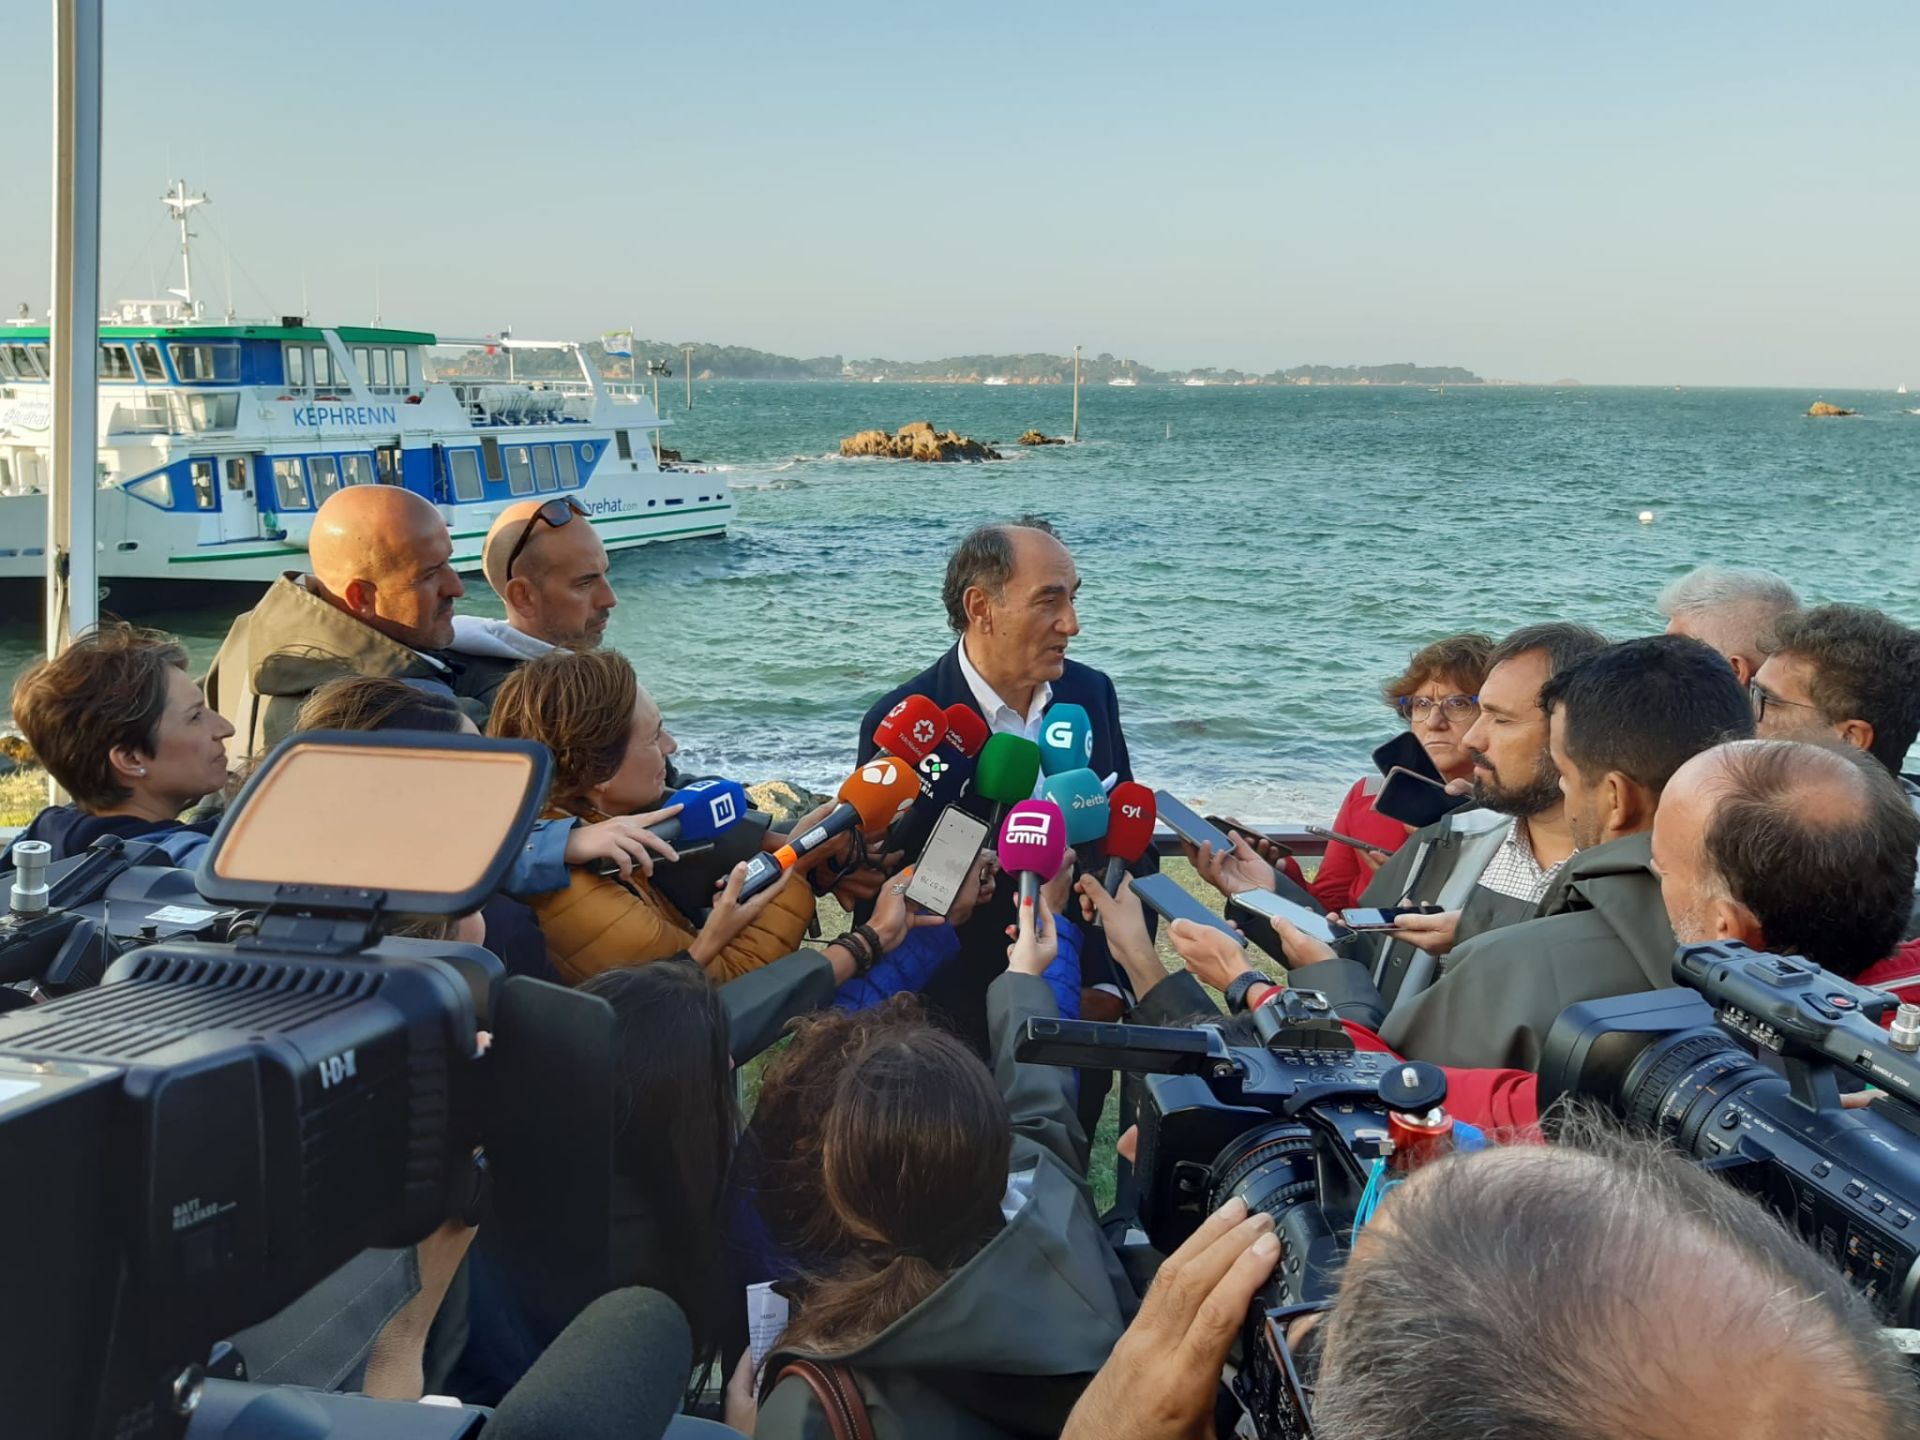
(947, 861)
(1163, 895)
(1326, 834)
(1275, 907)
(1185, 822)
(1361, 918)
(1246, 832)
(1405, 752)
(1415, 800)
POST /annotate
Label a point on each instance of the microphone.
(1008, 768)
(1066, 739)
(1130, 815)
(966, 731)
(1033, 844)
(869, 798)
(911, 729)
(708, 809)
(1082, 800)
(618, 1372)
(945, 778)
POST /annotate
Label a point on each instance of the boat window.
(400, 369)
(290, 485)
(156, 489)
(206, 362)
(519, 471)
(204, 412)
(490, 451)
(201, 472)
(325, 473)
(386, 461)
(115, 364)
(6, 475)
(623, 445)
(320, 366)
(361, 364)
(358, 469)
(6, 362)
(237, 472)
(380, 371)
(543, 466)
(296, 367)
(569, 472)
(466, 475)
(37, 354)
(21, 362)
(151, 370)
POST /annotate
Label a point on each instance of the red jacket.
(1343, 875)
(1507, 1102)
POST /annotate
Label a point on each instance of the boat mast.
(180, 202)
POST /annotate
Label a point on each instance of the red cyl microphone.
(1130, 816)
(913, 729)
(966, 731)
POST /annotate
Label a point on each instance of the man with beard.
(1486, 872)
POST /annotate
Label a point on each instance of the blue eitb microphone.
(708, 809)
(1066, 739)
(1082, 800)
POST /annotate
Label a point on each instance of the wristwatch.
(1238, 987)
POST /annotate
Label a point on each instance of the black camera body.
(1741, 1070)
(197, 1141)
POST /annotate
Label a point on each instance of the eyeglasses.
(555, 512)
(1763, 697)
(1421, 707)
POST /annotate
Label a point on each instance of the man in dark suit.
(1009, 595)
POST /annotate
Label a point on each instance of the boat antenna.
(376, 294)
(179, 202)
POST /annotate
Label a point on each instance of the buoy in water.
(1646, 517)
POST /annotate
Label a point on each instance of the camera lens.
(1270, 1167)
(1676, 1084)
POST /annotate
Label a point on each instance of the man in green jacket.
(379, 602)
(1621, 724)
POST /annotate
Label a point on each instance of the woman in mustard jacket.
(610, 750)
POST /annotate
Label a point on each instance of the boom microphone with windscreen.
(1082, 800)
(618, 1372)
(966, 731)
(1066, 739)
(1033, 845)
(911, 729)
(1130, 817)
(869, 798)
(1008, 770)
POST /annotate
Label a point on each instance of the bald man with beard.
(379, 602)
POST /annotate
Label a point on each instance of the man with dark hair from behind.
(1598, 1289)
(1620, 724)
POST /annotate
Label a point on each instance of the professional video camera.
(1303, 1127)
(1741, 1070)
(66, 921)
(197, 1141)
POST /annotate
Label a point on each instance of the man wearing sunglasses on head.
(549, 569)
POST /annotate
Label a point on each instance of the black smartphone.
(1347, 840)
(1185, 822)
(1359, 917)
(1415, 800)
(1247, 833)
(1162, 895)
(1405, 752)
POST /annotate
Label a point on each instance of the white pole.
(72, 563)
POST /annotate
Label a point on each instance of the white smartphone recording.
(947, 861)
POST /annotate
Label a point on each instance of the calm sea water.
(1256, 561)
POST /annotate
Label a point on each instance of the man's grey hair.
(984, 557)
(1595, 1290)
(1742, 602)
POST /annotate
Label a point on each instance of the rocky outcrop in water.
(1034, 437)
(785, 800)
(1822, 408)
(917, 441)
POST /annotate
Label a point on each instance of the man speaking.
(1009, 594)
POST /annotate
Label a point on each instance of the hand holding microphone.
(869, 799)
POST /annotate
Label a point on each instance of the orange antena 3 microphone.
(869, 799)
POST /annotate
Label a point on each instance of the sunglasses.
(555, 512)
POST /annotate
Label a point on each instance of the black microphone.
(618, 1372)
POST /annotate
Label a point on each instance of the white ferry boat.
(219, 440)
(1124, 382)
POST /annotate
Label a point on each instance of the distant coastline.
(734, 362)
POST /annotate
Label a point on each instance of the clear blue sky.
(1619, 193)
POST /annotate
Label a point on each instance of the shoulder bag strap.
(835, 1392)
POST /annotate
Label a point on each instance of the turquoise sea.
(1256, 560)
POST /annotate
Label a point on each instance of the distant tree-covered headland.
(739, 362)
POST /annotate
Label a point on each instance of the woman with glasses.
(1437, 696)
